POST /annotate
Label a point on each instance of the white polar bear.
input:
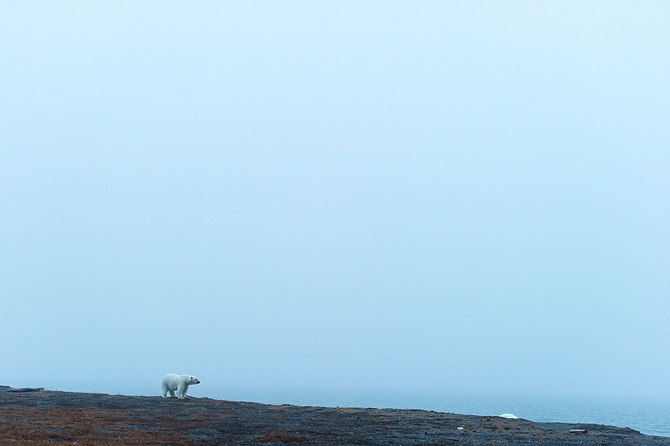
(177, 383)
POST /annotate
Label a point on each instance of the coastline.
(645, 414)
(54, 417)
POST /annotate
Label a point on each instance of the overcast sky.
(352, 196)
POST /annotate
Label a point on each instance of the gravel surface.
(40, 417)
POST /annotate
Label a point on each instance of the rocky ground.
(38, 417)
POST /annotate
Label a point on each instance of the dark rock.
(26, 389)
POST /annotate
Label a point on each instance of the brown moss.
(281, 437)
(60, 426)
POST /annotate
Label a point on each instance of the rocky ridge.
(37, 417)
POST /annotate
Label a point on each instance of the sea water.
(651, 417)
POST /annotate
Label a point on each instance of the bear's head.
(193, 380)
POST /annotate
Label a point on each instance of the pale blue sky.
(336, 195)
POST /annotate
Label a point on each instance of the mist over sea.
(651, 417)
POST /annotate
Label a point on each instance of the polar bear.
(177, 384)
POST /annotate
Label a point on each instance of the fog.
(336, 197)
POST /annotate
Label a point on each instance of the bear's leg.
(164, 391)
(172, 393)
(180, 390)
